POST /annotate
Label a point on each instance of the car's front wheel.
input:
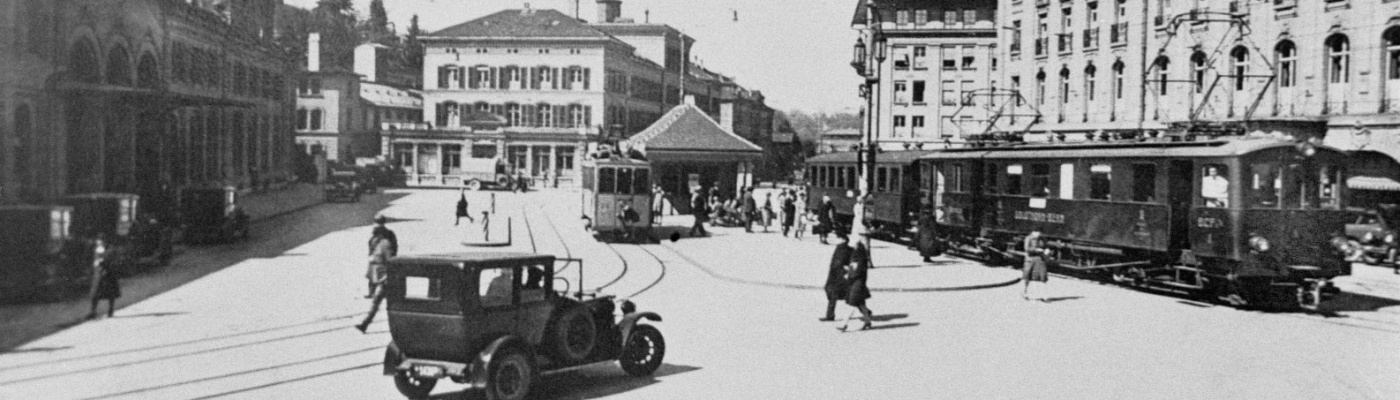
(413, 388)
(643, 351)
(474, 185)
(510, 376)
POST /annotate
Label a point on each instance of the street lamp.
(858, 56)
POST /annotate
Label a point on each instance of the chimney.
(313, 52)
(690, 99)
(726, 116)
(367, 61)
(609, 10)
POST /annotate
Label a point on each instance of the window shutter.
(568, 81)
(491, 79)
(461, 77)
(535, 78)
(586, 78)
(554, 78)
(561, 115)
(587, 112)
(442, 78)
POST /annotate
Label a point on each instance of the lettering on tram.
(1036, 216)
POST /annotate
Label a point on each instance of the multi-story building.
(142, 96)
(1123, 64)
(341, 114)
(937, 72)
(538, 87)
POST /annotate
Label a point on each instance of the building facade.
(140, 96)
(1124, 64)
(934, 83)
(341, 114)
(558, 85)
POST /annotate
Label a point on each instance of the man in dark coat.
(928, 244)
(836, 277)
(748, 209)
(789, 211)
(857, 292)
(825, 211)
(462, 210)
(697, 208)
(383, 243)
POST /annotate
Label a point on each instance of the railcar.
(611, 184)
(1246, 218)
(894, 199)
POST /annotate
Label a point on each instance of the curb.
(715, 275)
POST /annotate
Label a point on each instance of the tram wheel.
(474, 185)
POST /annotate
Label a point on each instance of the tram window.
(812, 176)
(851, 174)
(1067, 181)
(882, 179)
(1038, 182)
(1215, 187)
(991, 186)
(607, 180)
(1013, 179)
(957, 178)
(1101, 182)
(1265, 185)
(641, 181)
(624, 181)
(588, 178)
(895, 182)
(1328, 188)
(1144, 182)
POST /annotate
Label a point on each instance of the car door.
(497, 302)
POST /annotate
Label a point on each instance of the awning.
(1373, 183)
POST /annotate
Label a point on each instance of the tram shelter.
(688, 149)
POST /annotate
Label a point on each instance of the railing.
(1041, 46)
(1118, 34)
(1091, 38)
(1066, 42)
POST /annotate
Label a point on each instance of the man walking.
(382, 245)
(836, 277)
(462, 210)
(746, 212)
(789, 211)
(697, 208)
(825, 217)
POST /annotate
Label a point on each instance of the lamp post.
(870, 90)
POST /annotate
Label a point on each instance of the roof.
(388, 96)
(842, 132)
(687, 128)
(888, 157)
(473, 257)
(103, 195)
(1213, 148)
(526, 23)
(1373, 183)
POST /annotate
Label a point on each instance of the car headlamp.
(1368, 237)
(1259, 243)
(1390, 238)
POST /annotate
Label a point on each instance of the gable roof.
(687, 128)
(529, 23)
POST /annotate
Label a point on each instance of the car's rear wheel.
(502, 181)
(573, 335)
(474, 185)
(643, 351)
(510, 376)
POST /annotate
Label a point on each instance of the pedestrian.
(1034, 269)
(825, 217)
(520, 185)
(836, 277)
(800, 206)
(382, 245)
(628, 218)
(105, 277)
(462, 209)
(749, 208)
(767, 210)
(856, 290)
(697, 209)
(789, 211)
(658, 203)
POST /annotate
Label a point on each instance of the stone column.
(442, 178)
(414, 173)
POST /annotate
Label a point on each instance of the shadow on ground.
(591, 382)
(272, 237)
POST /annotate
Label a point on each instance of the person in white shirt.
(1215, 188)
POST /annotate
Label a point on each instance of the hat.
(380, 218)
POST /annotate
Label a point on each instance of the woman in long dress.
(856, 290)
(1034, 269)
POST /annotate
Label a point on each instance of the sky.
(797, 52)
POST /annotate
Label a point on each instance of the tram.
(893, 200)
(609, 186)
(1246, 214)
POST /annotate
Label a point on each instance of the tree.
(336, 21)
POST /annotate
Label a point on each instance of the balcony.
(1042, 46)
(1118, 34)
(1065, 43)
(1091, 38)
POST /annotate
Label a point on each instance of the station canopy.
(686, 133)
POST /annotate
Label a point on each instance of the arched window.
(1118, 80)
(148, 72)
(1040, 87)
(546, 115)
(316, 119)
(576, 116)
(1239, 58)
(511, 78)
(1162, 63)
(449, 76)
(302, 117)
(1287, 54)
(483, 107)
(513, 114)
(1064, 85)
(528, 115)
(1392, 52)
(1089, 75)
(1338, 59)
(82, 62)
(1198, 71)
(118, 67)
(446, 112)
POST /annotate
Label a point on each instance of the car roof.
(464, 258)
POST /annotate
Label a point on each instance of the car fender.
(630, 320)
(392, 358)
(479, 368)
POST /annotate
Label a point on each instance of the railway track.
(627, 256)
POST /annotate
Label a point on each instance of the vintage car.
(1373, 236)
(144, 240)
(212, 215)
(40, 259)
(495, 320)
(342, 185)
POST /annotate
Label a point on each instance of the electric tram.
(610, 186)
